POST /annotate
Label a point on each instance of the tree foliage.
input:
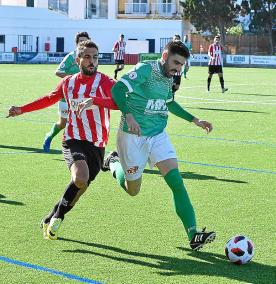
(208, 15)
(263, 18)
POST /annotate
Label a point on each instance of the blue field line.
(273, 145)
(228, 167)
(48, 270)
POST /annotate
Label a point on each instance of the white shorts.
(135, 152)
(62, 109)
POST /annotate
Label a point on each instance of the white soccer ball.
(239, 249)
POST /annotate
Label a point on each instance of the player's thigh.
(161, 150)
(133, 152)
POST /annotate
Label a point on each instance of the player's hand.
(86, 104)
(133, 126)
(14, 111)
(203, 124)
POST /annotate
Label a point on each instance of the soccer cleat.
(44, 227)
(111, 157)
(47, 143)
(201, 238)
(53, 227)
(224, 90)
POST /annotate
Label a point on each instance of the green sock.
(118, 172)
(185, 72)
(183, 206)
(54, 131)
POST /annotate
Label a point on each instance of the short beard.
(87, 72)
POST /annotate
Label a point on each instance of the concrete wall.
(48, 25)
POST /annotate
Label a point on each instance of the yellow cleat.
(53, 227)
(44, 227)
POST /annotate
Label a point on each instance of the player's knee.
(81, 181)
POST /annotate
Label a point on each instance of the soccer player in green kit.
(144, 96)
(68, 66)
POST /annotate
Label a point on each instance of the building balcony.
(150, 11)
(140, 9)
(165, 10)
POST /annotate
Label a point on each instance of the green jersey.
(69, 65)
(149, 93)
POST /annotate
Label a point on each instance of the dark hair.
(81, 34)
(177, 47)
(178, 36)
(85, 44)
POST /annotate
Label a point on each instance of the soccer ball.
(239, 249)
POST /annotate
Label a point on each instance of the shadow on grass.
(191, 175)
(202, 263)
(10, 202)
(257, 95)
(228, 110)
(29, 149)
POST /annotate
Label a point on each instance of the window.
(30, 3)
(96, 9)
(58, 5)
(2, 38)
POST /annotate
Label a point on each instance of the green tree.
(208, 15)
(263, 17)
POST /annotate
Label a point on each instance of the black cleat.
(224, 90)
(111, 157)
(201, 238)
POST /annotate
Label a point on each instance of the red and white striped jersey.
(93, 125)
(215, 51)
(119, 50)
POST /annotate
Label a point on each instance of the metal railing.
(136, 8)
(163, 9)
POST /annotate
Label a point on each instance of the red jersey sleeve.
(106, 99)
(45, 101)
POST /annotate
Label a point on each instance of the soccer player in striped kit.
(85, 136)
(119, 54)
(215, 63)
(68, 66)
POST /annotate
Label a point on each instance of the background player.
(215, 63)
(68, 66)
(188, 44)
(119, 54)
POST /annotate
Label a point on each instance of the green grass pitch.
(111, 237)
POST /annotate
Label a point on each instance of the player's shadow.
(29, 149)
(192, 175)
(10, 202)
(197, 263)
(228, 110)
(257, 95)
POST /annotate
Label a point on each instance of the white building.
(33, 25)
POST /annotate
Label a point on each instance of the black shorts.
(120, 61)
(76, 150)
(176, 80)
(214, 69)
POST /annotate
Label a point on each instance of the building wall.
(48, 26)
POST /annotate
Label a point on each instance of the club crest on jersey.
(132, 75)
(132, 170)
